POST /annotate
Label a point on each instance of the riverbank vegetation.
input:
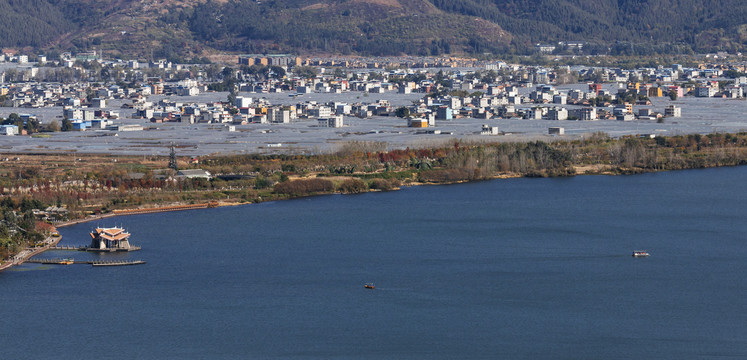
(56, 187)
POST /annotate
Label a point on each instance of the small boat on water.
(369, 286)
(640, 253)
(66, 261)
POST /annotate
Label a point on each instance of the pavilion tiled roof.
(112, 234)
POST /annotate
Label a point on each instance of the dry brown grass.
(591, 169)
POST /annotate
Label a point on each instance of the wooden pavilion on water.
(110, 240)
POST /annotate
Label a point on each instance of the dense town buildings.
(445, 89)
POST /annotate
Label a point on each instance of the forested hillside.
(700, 25)
(31, 23)
(181, 28)
(366, 27)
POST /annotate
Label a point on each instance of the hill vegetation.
(185, 28)
(694, 24)
(343, 27)
(31, 23)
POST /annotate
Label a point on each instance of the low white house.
(8, 130)
(194, 173)
(556, 130)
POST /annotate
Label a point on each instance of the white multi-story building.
(243, 102)
(560, 99)
(341, 109)
(333, 122)
(586, 113)
(455, 103)
(489, 130)
(673, 111)
(73, 113)
(187, 90)
(278, 116)
(733, 92)
(320, 112)
(534, 113)
(705, 91)
(98, 103)
(557, 113)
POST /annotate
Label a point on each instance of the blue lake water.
(505, 269)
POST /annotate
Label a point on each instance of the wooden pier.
(65, 247)
(90, 249)
(117, 263)
(60, 261)
(53, 244)
(86, 248)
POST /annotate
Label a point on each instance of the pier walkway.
(86, 248)
(59, 261)
(65, 247)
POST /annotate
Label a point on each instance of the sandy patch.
(591, 169)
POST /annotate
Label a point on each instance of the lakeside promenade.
(52, 241)
(27, 253)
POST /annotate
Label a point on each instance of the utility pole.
(172, 159)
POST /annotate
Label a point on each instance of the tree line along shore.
(38, 191)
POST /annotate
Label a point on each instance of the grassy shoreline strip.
(39, 189)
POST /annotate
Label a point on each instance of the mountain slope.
(182, 28)
(379, 27)
(31, 23)
(607, 21)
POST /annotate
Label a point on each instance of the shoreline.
(137, 211)
(26, 254)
